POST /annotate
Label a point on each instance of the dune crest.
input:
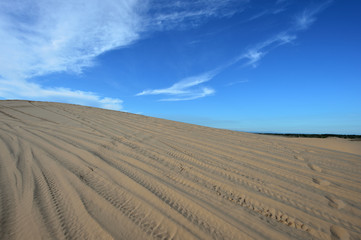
(75, 172)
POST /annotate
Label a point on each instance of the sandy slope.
(73, 172)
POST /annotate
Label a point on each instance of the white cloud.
(305, 19)
(111, 103)
(185, 89)
(169, 14)
(259, 15)
(202, 92)
(42, 37)
(21, 89)
(302, 21)
(253, 56)
(46, 36)
(257, 52)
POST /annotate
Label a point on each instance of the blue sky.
(259, 66)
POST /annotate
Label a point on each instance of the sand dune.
(74, 172)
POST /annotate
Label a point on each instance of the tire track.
(165, 180)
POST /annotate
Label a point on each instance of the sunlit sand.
(75, 172)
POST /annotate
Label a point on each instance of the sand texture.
(74, 172)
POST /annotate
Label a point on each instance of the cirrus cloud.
(186, 89)
(43, 37)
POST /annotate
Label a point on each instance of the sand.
(75, 172)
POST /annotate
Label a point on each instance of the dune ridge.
(76, 172)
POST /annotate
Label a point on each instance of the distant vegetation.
(351, 137)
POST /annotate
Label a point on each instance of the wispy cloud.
(42, 37)
(20, 89)
(259, 15)
(186, 89)
(50, 36)
(302, 21)
(254, 54)
(307, 17)
(166, 14)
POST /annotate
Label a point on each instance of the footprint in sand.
(321, 182)
(335, 203)
(314, 167)
(339, 233)
(299, 158)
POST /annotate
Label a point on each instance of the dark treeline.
(353, 137)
